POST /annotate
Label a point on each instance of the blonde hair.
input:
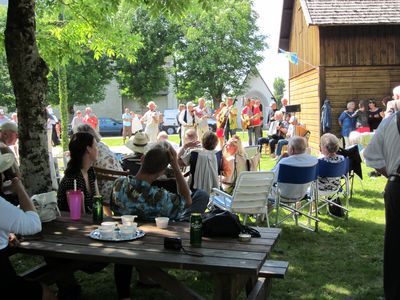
(236, 142)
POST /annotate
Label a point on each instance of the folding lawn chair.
(334, 170)
(355, 160)
(293, 185)
(249, 196)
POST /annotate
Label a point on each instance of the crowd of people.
(173, 180)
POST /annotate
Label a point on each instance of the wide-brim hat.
(6, 161)
(138, 143)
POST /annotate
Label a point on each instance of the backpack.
(336, 210)
(222, 223)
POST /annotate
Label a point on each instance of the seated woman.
(83, 152)
(22, 220)
(329, 147)
(234, 162)
(205, 164)
(106, 159)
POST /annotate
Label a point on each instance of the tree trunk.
(28, 73)
(216, 100)
(63, 94)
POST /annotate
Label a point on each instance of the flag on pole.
(291, 56)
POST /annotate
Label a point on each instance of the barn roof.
(340, 13)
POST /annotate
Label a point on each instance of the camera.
(172, 243)
(9, 174)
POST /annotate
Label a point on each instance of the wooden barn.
(347, 49)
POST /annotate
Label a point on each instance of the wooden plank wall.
(304, 40)
(371, 45)
(303, 90)
(359, 83)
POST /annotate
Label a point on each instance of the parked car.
(171, 125)
(110, 126)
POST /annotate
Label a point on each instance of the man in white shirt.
(202, 113)
(187, 119)
(382, 153)
(299, 158)
(151, 119)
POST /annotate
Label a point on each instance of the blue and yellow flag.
(291, 56)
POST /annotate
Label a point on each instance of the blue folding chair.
(331, 192)
(296, 192)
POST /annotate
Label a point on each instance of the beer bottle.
(97, 210)
(195, 229)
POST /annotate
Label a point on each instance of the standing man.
(202, 113)
(247, 119)
(187, 119)
(127, 124)
(382, 153)
(91, 119)
(228, 115)
(151, 120)
(181, 107)
(284, 104)
(76, 121)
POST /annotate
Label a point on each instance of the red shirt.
(91, 120)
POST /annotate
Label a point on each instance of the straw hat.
(6, 161)
(138, 143)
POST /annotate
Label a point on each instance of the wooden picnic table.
(233, 264)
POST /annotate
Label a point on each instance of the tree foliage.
(86, 82)
(279, 89)
(218, 49)
(144, 78)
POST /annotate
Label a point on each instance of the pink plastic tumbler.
(75, 199)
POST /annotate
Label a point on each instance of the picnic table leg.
(228, 286)
(170, 283)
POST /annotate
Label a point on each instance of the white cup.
(107, 232)
(127, 232)
(128, 219)
(162, 222)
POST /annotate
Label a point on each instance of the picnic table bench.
(235, 265)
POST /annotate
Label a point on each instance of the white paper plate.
(95, 234)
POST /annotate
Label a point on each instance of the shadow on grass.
(342, 261)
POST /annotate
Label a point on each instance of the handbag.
(46, 206)
(222, 223)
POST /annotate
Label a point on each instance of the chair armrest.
(224, 195)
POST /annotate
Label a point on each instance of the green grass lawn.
(342, 261)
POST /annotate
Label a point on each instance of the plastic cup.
(127, 232)
(162, 222)
(75, 200)
(106, 232)
(128, 219)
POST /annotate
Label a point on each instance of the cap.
(9, 126)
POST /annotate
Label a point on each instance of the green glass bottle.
(97, 210)
(195, 229)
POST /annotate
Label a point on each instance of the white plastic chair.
(249, 196)
(253, 157)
